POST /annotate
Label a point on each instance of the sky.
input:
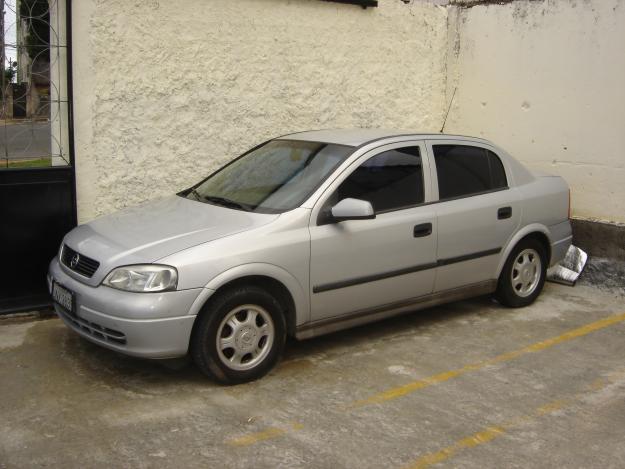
(9, 30)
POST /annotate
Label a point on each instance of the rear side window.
(390, 180)
(465, 170)
(497, 173)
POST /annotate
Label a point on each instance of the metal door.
(471, 231)
(37, 180)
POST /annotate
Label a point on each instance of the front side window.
(465, 170)
(273, 178)
(390, 180)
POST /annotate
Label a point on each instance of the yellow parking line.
(268, 434)
(394, 393)
(476, 439)
(493, 432)
(408, 388)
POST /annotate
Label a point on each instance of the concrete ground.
(25, 139)
(470, 384)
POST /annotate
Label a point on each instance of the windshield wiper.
(196, 194)
(226, 202)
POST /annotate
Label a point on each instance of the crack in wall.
(475, 3)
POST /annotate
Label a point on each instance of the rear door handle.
(504, 212)
(424, 229)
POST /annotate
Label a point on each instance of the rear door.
(477, 211)
(358, 265)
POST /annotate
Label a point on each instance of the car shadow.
(407, 323)
(157, 376)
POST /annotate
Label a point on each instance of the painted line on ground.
(268, 434)
(394, 393)
(413, 386)
(491, 433)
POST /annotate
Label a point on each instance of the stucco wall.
(168, 90)
(546, 80)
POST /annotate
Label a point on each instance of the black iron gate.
(37, 210)
(19, 91)
(37, 178)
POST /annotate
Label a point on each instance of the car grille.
(91, 328)
(81, 264)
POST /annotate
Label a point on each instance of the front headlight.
(143, 278)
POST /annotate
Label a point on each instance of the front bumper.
(150, 325)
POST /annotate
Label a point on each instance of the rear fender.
(518, 236)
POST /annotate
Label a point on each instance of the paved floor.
(26, 139)
(470, 384)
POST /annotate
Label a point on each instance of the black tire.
(510, 295)
(204, 349)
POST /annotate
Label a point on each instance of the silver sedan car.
(307, 234)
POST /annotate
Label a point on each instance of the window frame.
(434, 173)
(342, 174)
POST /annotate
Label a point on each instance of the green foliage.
(37, 16)
(36, 163)
(9, 73)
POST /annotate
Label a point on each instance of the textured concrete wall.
(168, 90)
(546, 80)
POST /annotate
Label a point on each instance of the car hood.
(151, 231)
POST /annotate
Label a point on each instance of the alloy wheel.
(245, 337)
(526, 271)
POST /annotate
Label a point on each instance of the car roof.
(359, 137)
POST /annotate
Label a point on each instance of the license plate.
(63, 296)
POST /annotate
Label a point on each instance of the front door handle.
(504, 212)
(424, 229)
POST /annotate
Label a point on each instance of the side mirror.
(352, 209)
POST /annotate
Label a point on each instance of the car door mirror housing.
(352, 209)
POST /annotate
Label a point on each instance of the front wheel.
(523, 276)
(240, 335)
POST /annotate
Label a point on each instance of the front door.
(358, 265)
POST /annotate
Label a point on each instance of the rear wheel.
(523, 276)
(240, 335)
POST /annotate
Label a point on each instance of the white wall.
(165, 91)
(546, 80)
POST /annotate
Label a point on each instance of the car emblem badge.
(74, 262)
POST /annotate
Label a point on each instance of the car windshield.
(273, 178)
